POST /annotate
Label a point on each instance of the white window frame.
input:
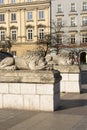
(41, 33)
(60, 8)
(84, 38)
(2, 17)
(73, 7)
(73, 39)
(41, 14)
(29, 34)
(73, 21)
(2, 35)
(13, 1)
(13, 34)
(84, 20)
(84, 6)
(29, 15)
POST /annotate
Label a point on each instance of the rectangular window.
(72, 39)
(59, 8)
(29, 0)
(2, 35)
(84, 38)
(41, 33)
(29, 16)
(84, 6)
(73, 7)
(13, 1)
(59, 22)
(41, 14)
(2, 17)
(30, 34)
(13, 35)
(1, 1)
(73, 21)
(13, 16)
(84, 20)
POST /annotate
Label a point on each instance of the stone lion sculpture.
(34, 61)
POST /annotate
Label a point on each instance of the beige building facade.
(23, 22)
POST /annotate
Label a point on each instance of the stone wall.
(71, 79)
(42, 93)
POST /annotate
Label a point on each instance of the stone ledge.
(28, 76)
(67, 68)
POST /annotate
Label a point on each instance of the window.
(1, 1)
(2, 35)
(73, 39)
(41, 14)
(13, 1)
(59, 8)
(29, 0)
(84, 20)
(41, 33)
(13, 35)
(29, 16)
(2, 17)
(30, 34)
(59, 22)
(59, 39)
(73, 21)
(72, 6)
(84, 6)
(84, 38)
(13, 16)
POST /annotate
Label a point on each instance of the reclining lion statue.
(33, 61)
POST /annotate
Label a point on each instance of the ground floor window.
(41, 33)
(84, 38)
(2, 35)
(30, 34)
(72, 39)
(14, 35)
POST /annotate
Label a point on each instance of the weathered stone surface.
(67, 69)
(26, 76)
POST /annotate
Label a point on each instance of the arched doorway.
(83, 58)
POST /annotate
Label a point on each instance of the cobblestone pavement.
(72, 115)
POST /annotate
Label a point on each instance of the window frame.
(84, 6)
(13, 1)
(13, 17)
(2, 37)
(41, 14)
(41, 32)
(60, 8)
(73, 7)
(1, 2)
(2, 17)
(13, 35)
(84, 21)
(29, 15)
(73, 21)
(73, 40)
(30, 34)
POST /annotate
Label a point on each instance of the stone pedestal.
(71, 78)
(30, 90)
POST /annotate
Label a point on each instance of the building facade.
(71, 15)
(24, 22)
